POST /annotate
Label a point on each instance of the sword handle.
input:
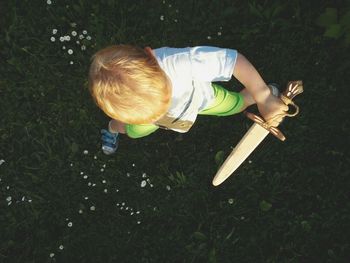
(293, 88)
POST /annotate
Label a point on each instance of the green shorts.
(226, 103)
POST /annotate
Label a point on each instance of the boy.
(144, 89)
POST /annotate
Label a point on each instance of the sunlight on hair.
(128, 84)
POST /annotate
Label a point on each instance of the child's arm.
(268, 105)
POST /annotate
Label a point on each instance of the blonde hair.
(128, 84)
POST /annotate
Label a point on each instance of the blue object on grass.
(110, 141)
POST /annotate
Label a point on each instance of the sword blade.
(244, 148)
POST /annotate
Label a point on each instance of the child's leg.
(228, 102)
(140, 130)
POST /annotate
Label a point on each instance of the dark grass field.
(289, 202)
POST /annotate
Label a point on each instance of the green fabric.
(226, 103)
(140, 130)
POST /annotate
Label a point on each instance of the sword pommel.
(293, 88)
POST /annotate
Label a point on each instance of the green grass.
(289, 204)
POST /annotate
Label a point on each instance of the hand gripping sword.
(256, 134)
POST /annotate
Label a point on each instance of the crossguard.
(293, 88)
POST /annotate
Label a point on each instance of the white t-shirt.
(191, 71)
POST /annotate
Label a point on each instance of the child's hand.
(272, 108)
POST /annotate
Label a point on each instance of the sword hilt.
(293, 88)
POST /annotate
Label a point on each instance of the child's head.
(127, 83)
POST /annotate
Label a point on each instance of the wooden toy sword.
(256, 134)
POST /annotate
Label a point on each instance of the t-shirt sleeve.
(212, 63)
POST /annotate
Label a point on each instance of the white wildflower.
(30, 200)
(54, 31)
(81, 173)
(71, 163)
(23, 198)
(67, 38)
(138, 212)
(80, 211)
(93, 184)
(123, 204)
(86, 152)
(86, 198)
(92, 208)
(74, 33)
(52, 255)
(104, 166)
(70, 51)
(85, 177)
(53, 39)
(105, 190)
(64, 47)
(162, 18)
(70, 224)
(61, 247)
(8, 199)
(95, 157)
(103, 181)
(89, 184)
(7, 187)
(62, 39)
(249, 161)
(78, 42)
(219, 33)
(9, 203)
(131, 213)
(83, 47)
(49, 2)
(230, 201)
(138, 222)
(2, 161)
(144, 175)
(88, 37)
(208, 37)
(128, 174)
(102, 170)
(168, 187)
(143, 183)
(81, 36)
(84, 32)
